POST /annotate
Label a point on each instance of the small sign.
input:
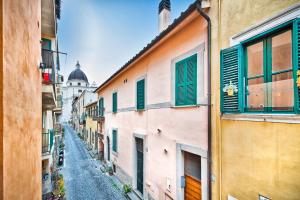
(261, 197)
(230, 89)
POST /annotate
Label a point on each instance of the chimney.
(164, 15)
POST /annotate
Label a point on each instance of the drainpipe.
(207, 18)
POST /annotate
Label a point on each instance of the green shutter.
(115, 102)
(46, 44)
(114, 142)
(231, 71)
(51, 138)
(101, 107)
(191, 83)
(180, 84)
(140, 94)
(186, 81)
(296, 61)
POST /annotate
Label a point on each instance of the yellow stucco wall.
(91, 125)
(22, 102)
(249, 157)
(260, 157)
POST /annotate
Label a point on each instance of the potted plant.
(127, 188)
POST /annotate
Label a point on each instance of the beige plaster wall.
(177, 125)
(22, 108)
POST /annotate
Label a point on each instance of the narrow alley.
(82, 175)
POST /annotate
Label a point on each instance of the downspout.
(207, 18)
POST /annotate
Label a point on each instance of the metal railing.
(47, 142)
(48, 59)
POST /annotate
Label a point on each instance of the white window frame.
(200, 51)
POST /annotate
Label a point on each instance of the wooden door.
(192, 174)
(192, 188)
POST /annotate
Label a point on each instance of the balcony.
(100, 115)
(58, 109)
(48, 95)
(82, 120)
(47, 142)
(48, 18)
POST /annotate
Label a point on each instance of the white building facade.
(77, 83)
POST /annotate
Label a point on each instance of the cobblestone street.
(82, 175)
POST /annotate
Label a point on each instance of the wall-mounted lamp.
(158, 131)
(165, 151)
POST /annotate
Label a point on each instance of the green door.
(140, 164)
(108, 149)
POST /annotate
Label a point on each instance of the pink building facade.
(155, 111)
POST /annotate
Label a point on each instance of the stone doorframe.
(180, 148)
(134, 176)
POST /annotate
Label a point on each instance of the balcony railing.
(48, 58)
(47, 142)
(59, 101)
(100, 115)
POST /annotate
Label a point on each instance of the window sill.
(276, 118)
(188, 106)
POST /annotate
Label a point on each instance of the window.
(101, 107)
(270, 74)
(114, 102)
(46, 44)
(79, 91)
(78, 84)
(70, 84)
(186, 81)
(260, 75)
(140, 94)
(114, 141)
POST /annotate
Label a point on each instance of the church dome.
(77, 74)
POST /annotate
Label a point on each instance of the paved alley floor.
(82, 176)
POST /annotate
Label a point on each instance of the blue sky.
(104, 34)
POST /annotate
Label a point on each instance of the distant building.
(78, 112)
(91, 136)
(76, 84)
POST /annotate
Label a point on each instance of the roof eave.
(155, 41)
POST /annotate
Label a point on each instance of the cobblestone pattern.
(82, 175)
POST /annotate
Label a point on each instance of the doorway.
(139, 164)
(96, 142)
(108, 148)
(192, 176)
(90, 138)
